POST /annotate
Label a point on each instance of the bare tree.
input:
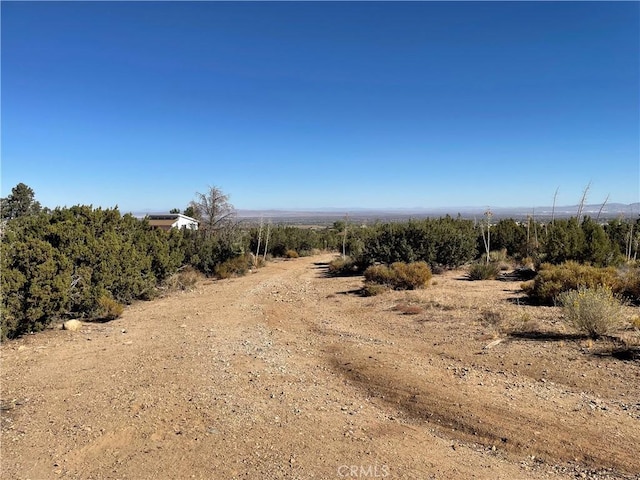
(266, 240)
(602, 207)
(553, 209)
(630, 242)
(213, 211)
(344, 236)
(259, 237)
(582, 201)
(487, 239)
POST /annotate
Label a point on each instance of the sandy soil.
(286, 373)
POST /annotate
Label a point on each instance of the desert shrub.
(490, 317)
(234, 267)
(400, 275)
(484, 271)
(343, 266)
(594, 311)
(258, 262)
(184, 280)
(109, 309)
(552, 280)
(501, 259)
(373, 289)
(380, 274)
(499, 256)
(629, 285)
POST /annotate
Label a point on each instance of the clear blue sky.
(314, 105)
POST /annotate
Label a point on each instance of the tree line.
(78, 261)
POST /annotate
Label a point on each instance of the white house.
(167, 221)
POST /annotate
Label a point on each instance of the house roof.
(170, 216)
(162, 222)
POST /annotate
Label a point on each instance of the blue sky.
(321, 104)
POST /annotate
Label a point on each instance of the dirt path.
(286, 373)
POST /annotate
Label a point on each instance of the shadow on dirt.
(359, 292)
(521, 300)
(98, 319)
(542, 336)
(626, 354)
(614, 347)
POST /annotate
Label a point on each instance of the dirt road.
(287, 374)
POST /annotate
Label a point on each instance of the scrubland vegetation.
(83, 262)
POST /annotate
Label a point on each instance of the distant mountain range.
(609, 211)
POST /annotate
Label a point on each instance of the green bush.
(484, 271)
(206, 252)
(552, 280)
(400, 275)
(594, 311)
(35, 279)
(446, 242)
(509, 236)
(61, 263)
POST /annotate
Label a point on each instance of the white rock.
(72, 325)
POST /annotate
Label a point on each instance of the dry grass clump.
(183, 280)
(234, 267)
(484, 271)
(594, 311)
(491, 317)
(501, 259)
(109, 309)
(373, 289)
(257, 262)
(629, 282)
(399, 276)
(342, 266)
